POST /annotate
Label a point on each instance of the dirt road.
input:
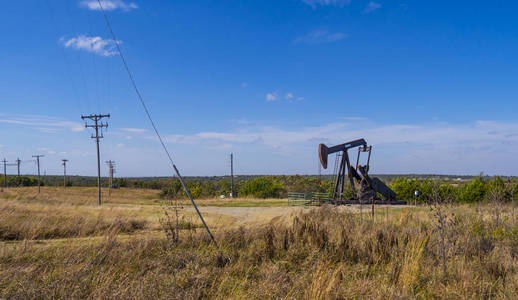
(258, 215)
(249, 215)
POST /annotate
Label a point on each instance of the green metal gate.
(307, 199)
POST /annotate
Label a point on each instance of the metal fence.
(307, 199)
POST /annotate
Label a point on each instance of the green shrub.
(405, 188)
(449, 192)
(172, 190)
(20, 181)
(473, 191)
(195, 188)
(262, 187)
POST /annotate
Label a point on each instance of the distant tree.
(172, 190)
(405, 188)
(473, 191)
(262, 187)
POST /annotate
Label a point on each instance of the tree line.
(467, 191)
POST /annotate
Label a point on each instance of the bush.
(172, 190)
(473, 191)
(405, 188)
(450, 192)
(20, 181)
(262, 187)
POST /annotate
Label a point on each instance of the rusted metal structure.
(369, 187)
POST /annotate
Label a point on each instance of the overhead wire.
(108, 83)
(144, 106)
(68, 69)
(86, 93)
(95, 77)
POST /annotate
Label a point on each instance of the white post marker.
(416, 193)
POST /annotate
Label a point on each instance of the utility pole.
(5, 173)
(18, 161)
(65, 173)
(231, 175)
(111, 166)
(38, 162)
(319, 173)
(97, 125)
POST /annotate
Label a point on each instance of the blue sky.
(430, 84)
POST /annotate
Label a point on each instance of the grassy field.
(62, 245)
(58, 213)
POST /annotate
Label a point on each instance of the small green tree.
(405, 188)
(262, 187)
(448, 191)
(473, 191)
(172, 190)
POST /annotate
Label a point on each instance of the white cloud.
(241, 121)
(48, 130)
(354, 118)
(92, 44)
(320, 36)
(46, 150)
(437, 147)
(372, 6)
(180, 139)
(271, 96)
(45, 124)
(315, 3)
(109, 5)
(134, 130)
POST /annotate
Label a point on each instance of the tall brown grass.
(20, 221)
(324, 253)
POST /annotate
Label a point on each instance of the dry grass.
(43, 221)
(324, 253)
(56, 213)
(81, 195)
(88, 196)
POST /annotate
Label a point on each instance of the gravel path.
(250, 215)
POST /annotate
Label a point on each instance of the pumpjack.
(369, 187)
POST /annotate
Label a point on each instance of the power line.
(97, 125)
(68, 72)
(64, 173)
(18, 161)
(5, 172)
(111, 166)
(232, 175)
(4, 162)
(38, 162)
(153, 124)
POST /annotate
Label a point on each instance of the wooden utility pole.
(18, 161)
(319, 173)
(38, 162)
(65, 173)
(96, 126)
(5, 172)
(111, 166)
(231, 175)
